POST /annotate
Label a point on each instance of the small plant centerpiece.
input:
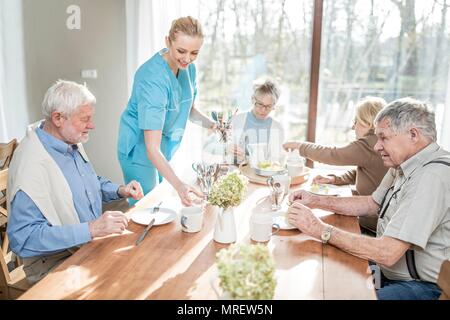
(227, 192)
(223, 121)
(246, 271)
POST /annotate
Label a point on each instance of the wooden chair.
(6, 153)
(12, 283)
(444, 280)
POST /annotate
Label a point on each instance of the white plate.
(280, 218)
(144, 216)
(268, 173)
(324, 190)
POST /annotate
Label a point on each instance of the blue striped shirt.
(30, 233)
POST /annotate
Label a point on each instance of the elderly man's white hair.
(65, 97)
(407, 113)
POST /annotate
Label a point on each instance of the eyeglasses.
(261, 105)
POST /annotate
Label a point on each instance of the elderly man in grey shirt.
(412, 203)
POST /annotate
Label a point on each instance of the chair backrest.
(3, 183)
(3, 220)
(12, 277)
(6, 153)
(444, 280)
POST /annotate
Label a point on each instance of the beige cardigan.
(370, 169)
(34, 171)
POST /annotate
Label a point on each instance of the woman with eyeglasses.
(360, 153)
(162, 100)
(256, 125)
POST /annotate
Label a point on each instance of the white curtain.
(445, 134)
(148, 23)
(13, 105)
(3, 128)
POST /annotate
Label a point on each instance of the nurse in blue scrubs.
(162, 100)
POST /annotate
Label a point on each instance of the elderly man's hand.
(131, 190)
(304, 219)
(304, 197)
(110, 222)
(324, 180)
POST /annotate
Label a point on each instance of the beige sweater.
(370, 169)
(34, 171)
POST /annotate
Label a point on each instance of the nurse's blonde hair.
(367, 109)
(186, 25)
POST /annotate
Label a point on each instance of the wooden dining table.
(171, 264)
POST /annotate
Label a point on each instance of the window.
(390, 49)
(248, 39)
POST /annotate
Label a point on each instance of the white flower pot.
(225, 230)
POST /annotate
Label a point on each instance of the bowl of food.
(269, 168)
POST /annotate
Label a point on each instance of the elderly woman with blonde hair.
(360, 153)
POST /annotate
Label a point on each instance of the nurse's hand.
(238, 152)
(213, 127)
(183, 192)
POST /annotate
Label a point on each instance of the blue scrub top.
(159, 101)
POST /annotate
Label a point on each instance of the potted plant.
(227, 192)
(246, 271)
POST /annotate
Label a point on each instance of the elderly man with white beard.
(54, 195)
(412, 204)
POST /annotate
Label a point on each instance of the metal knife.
(142, 236)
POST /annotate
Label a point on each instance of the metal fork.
(156, 209)
(147, 229)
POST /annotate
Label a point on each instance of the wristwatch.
(326, 234)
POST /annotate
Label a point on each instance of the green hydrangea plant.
(228, 191)
(247, 272)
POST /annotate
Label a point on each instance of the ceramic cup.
(192, 219)
(261, 227)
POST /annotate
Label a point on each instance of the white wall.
(13, 102)
(55, 52)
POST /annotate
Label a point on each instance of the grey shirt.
(418, 213)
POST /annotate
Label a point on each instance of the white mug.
(192, 219)
(261, 227)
